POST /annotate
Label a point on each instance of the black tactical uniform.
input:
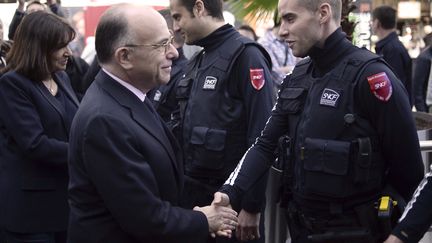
(351, 132)
(417, 217)
(225, 101)
(164, 97)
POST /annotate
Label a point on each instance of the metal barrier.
(426, 146)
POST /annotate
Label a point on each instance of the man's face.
(34, 7)
(153, 54)
(300, 27)
(184, 22)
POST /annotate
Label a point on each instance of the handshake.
(223, 220)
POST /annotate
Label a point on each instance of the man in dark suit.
(126, 172)
(390, 47)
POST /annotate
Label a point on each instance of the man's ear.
(378, 24)
(199, 8)
(325, 13)
(123, 57)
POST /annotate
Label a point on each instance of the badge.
(210, 83)
(380, 86)
(329, 97)
(157, 95)
(257, 78)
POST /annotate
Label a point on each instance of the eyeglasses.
(166, 45)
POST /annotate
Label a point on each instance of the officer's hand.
(221, 199)
(393, 239)
(248, 226)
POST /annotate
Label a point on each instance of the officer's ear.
(325, 13)
(199, 8)
(122, 56)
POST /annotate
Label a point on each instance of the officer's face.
(184, 22)
(300, 27)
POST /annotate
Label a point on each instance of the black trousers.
(198, 193)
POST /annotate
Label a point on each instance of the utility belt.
(367, 222)
(359, 224)
(331, 169)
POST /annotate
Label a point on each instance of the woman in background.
(37, 105)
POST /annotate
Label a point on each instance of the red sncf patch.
(257, 78)
(380, 86)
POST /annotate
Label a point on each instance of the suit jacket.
(126, 173)
(34, 133)
(396, 55)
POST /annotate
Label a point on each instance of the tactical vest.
(335, 150)
(212, 120)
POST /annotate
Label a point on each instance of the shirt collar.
(141, 96)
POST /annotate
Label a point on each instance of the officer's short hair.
(111, 33)
(386, 15)
(178, 38)
(213, 7)
(312, 5)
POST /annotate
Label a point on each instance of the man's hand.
(221, 199)
(393, 239)
(51, 2)
(21, 4)
(248, 226)
(222, 220)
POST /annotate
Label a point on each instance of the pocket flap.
(184, 82)
(183, 88)
(292, 93)
(212, 139)
(329, 156)
(199, 135)
(215, 140)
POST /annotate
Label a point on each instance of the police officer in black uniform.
(349, 133)
(225, 100)
(417, 217)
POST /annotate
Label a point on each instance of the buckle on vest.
(364, 160)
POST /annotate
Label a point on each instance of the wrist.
(20, 8)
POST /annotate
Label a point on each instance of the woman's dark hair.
(38, 36)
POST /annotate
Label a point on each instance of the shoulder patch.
(257, 77)
(380, 86)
